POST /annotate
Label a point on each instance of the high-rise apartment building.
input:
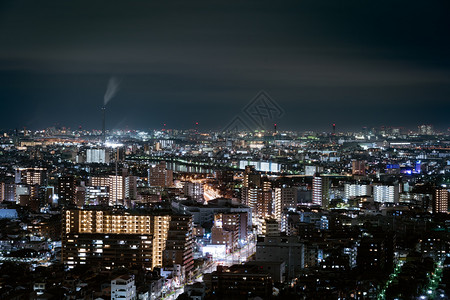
(264, 201)
(66, 190)
(31, 176)
(99, 156)
(159, 175)
(7, 192)
(99, 181)
(358, 167)
(440, 203)
(113, 238)
(116, 189)
(251, 177)
(357, 190)
(385, 193)
(194, 190)
(130, 183)
(178, 249)
(285, 197)
(321, 191)
(96, 195)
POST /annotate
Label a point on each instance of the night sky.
(351, 62)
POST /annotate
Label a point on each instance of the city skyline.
(215, 150)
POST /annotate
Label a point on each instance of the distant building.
(440, 203)
(21, 191)
(98, 156)
(357, 190)
(263, 166)
(31, 176)
(194, 190)
(358, 167)
(270, 227)
(321, 191)
(259, 199)
(386, 193)
(251, 177)
(425, 129)
(66, 190)
(159, 175)
(311, 170)
(179, 245)
(375, 254)
(130, 187)
(227, 230)
(225, 176)
(7, 192)
(6, 213)
(285, 197)
(116, 189)
(96, 195)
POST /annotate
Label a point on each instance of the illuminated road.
(241, 255)
(237, 257)
(209, 192)
(174, 295)
(397, 270)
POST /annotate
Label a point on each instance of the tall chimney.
(103, 125)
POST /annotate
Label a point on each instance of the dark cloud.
(352, 62)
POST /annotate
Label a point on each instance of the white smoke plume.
(111, 89)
